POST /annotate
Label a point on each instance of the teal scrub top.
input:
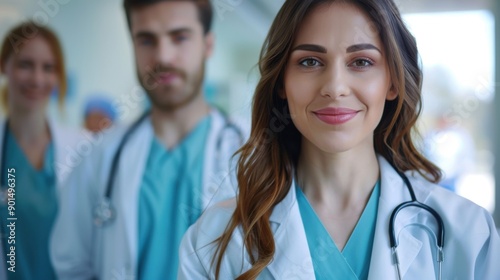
(35, 210)
(354, 260)
(169, 202)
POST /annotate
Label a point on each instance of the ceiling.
(255, 16)
(269, 8)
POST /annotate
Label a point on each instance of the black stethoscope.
(104, 212)
(415, 203)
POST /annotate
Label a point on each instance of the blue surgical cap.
(101, 104)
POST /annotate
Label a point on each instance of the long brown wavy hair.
(268, 160)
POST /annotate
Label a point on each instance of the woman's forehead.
(37, 47)
(337, 24)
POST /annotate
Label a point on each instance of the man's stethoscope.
(104, 212)
(415, 203)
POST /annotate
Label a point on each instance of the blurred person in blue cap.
(99, 113)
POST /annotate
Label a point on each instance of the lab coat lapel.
(57, 136)
(130, 172)
(292, 258)
(212, 183)
(66, 141)
(393, 192)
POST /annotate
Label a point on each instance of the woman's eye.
(310, 62)
(361, 63)
(24, 64)
(49, 68)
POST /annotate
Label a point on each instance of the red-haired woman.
(33, 150)
(337, 190)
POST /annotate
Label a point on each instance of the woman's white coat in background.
(66, 142)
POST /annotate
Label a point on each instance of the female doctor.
(317, 190)
(33, 150)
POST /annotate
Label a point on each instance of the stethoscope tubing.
(117, 155)
(104, 212)
(415, 203)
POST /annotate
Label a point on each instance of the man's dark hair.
(204, 10)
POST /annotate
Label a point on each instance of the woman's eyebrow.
(310, 47)
(360, 47)
(350, 49)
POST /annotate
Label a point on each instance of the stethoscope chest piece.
(104, 213)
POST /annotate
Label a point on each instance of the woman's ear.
(391, 94)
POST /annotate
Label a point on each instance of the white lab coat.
(79, 249)
(472, 244)
(65, 141)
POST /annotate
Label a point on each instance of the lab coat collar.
(62, 139)
(291, 242)
(216, 153)
(134, 157)
(129, 176)
(295, 261)
(394, 192)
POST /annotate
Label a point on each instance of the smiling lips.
(34, 94)
(335, 116)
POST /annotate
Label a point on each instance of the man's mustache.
(159, 70)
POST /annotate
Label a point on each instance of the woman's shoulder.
(438, 194)
(456, 209)
(213, 222)
(198, 247)
(218, 214)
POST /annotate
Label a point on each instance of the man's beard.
(189, 91)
